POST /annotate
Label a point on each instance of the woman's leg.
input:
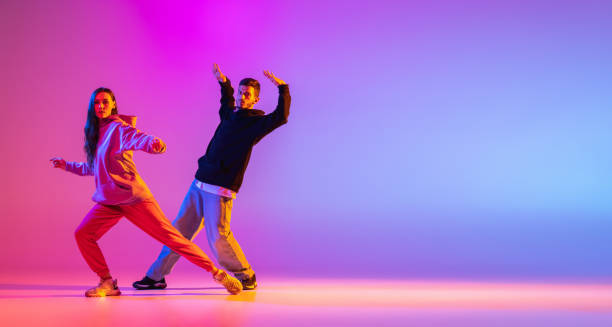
(148, 216)
(188, 222)
(95, 224)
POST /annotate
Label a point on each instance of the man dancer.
(218, 179)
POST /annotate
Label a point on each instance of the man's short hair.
(251, 82)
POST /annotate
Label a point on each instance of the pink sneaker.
(230, 283)
(107, 287)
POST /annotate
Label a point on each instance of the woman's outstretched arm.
(79, 168)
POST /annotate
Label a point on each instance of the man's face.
(246, 97)
(103, 104)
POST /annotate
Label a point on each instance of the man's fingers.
(277, 81)
(270, 76)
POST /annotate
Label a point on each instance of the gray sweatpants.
(203, 209)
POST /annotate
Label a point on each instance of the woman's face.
(103, 105)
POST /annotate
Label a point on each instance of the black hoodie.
(228, 153)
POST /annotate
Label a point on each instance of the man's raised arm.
(227, 92)
(280, 115)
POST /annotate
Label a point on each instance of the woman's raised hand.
(157, 145)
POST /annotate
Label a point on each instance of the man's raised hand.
(218, 74)
(273, 79)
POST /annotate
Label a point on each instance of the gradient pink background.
(464, 139)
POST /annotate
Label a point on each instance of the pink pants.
(147, 216)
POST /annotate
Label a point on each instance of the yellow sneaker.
(107, 287)
(230, 283)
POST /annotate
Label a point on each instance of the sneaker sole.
(234, 291)
(97, 295)
(150, 287)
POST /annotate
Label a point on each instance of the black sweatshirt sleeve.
(227, 99)
(279, 116)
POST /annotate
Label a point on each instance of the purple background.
(464, 139)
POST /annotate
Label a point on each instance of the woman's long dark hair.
(92, 126)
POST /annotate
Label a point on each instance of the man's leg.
(217, 216)
(188, 222)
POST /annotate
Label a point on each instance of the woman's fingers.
(58, 162)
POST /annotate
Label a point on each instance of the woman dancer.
(120, 192)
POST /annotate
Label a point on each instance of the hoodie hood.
(130, 120)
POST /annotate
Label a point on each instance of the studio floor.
(27, 300)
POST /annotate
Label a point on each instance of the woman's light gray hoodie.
(117, 181)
